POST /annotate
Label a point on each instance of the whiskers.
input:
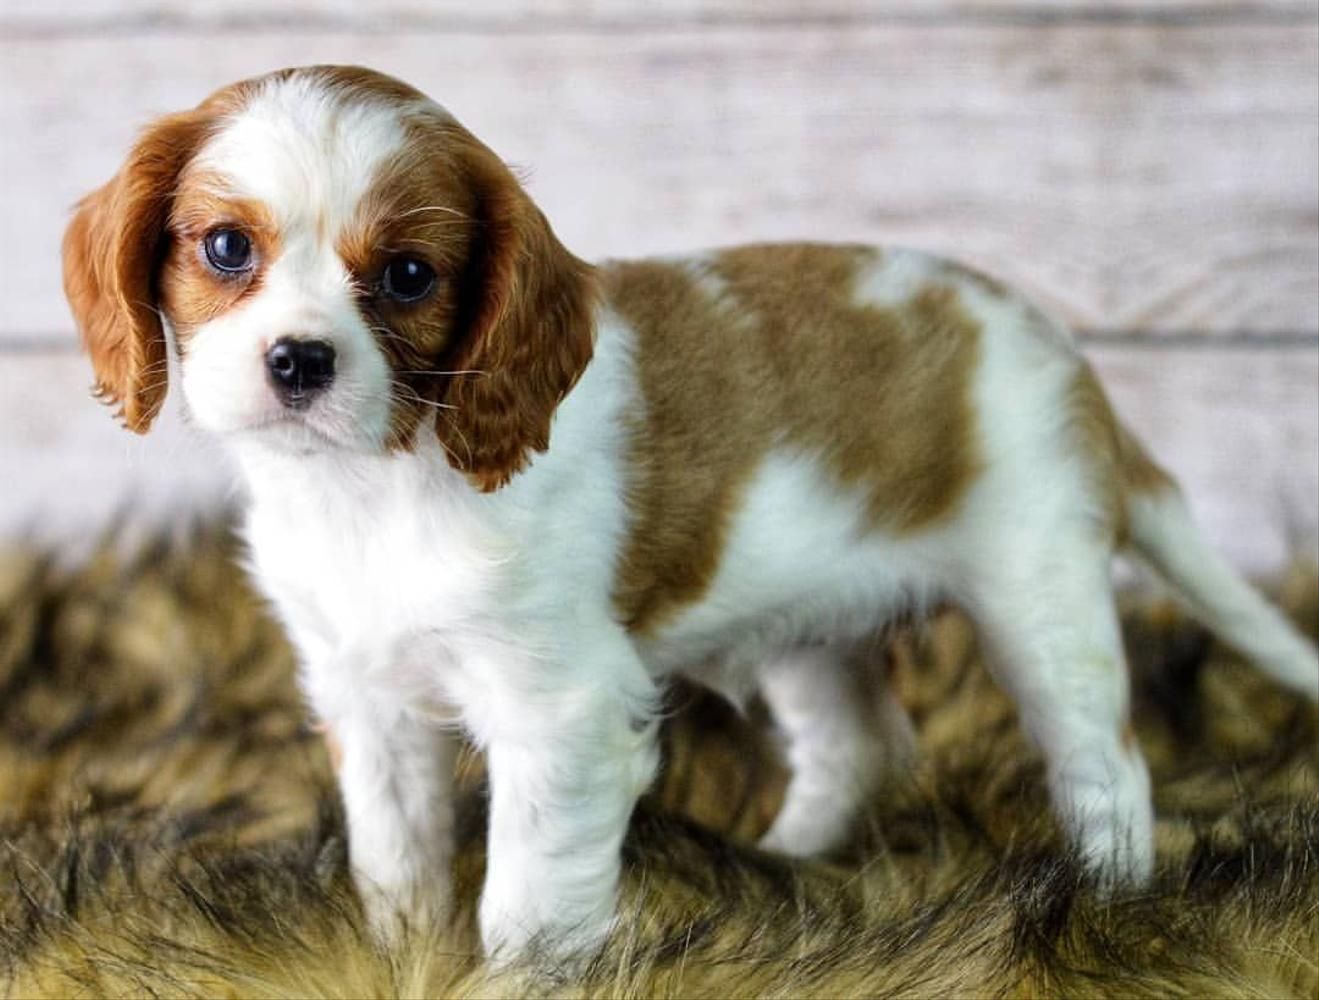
(154, 375)
(437, 371)
(401, 392)
(453, 425)
(386, 334)
(444, 209)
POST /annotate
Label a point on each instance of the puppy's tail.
(1161, 529)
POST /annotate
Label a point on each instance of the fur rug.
(169, 826)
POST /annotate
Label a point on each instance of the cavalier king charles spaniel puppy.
(496, 490)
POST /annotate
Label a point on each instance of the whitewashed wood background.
(1148, 170)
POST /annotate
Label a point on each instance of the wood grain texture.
(1149, 170)
(1239, 428)
(36, 17)
(71, 473)
(1160, 177)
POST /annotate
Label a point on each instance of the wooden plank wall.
(1150, 171)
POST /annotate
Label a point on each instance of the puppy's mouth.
(323, 422)
(296, 426)
(316, 407)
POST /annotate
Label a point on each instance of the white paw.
(1118, 861)
(1110, 818)
(394, 912)
(527, 932)
(808, 826)
(1116, 841)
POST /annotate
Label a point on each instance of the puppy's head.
(343, 266)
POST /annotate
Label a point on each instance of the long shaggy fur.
(169, 825)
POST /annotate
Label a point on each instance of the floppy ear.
(525, 326)
(112, 251)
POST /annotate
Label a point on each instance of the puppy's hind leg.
(1052, 639)
(832, 726)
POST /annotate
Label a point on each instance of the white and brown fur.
(528, 499)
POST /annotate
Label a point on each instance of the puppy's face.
(343, 266)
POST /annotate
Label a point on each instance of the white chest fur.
(377, 566)
(393, 568)
(365, 544)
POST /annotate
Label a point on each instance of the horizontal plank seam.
(1233, 340)
(420, 22)
(1275, 340)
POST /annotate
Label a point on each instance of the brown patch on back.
(1120, 465)
(765, 347)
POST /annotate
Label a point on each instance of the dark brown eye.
(228, 250)
(407, 279)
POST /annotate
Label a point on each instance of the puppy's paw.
(394, 913)
(808, 828)
(1116, 844)
(528, 934)
(1116, 865)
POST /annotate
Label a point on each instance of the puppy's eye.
(407, 279)
(228, 250)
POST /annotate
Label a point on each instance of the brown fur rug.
(169, 826)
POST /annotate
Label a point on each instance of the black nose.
(299, 369)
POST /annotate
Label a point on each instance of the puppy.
(497, 488)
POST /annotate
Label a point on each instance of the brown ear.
(525, 330)
(112, 251)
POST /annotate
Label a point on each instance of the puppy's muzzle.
(299, 369)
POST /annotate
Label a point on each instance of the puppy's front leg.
(396, 776)
(568, 758)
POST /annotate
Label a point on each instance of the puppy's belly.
(801, 564)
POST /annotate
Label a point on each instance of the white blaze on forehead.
(306, 150)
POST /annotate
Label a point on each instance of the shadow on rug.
(170, 826)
